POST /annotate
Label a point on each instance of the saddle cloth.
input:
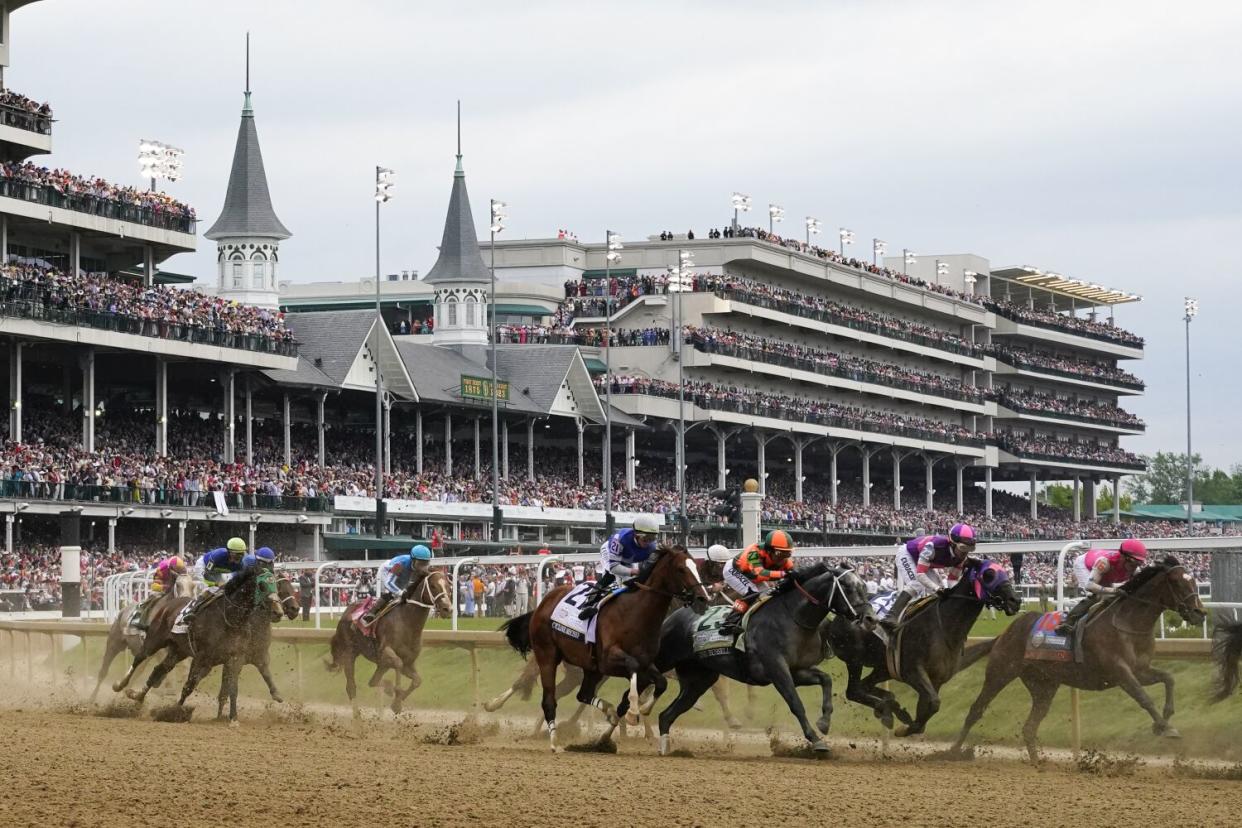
(1044, 644)
(565, 618)
(355, 617)
(893, 645)
(709, 641)
(882, 602)
(179, 626)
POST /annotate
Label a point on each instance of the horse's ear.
(988, 575)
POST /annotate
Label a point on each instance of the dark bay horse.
(627, 636)
(1117, 645)
(397, 640)
(1226, 652)
(219, 633)
(121, 637)
(930, 645)
(258, 653)
(783, 646)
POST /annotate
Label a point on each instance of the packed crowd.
(1068, 366)
(1095, 411)
(1047, 448)
(547, 335)
(17, 110)
(88, 194)
(759, 349)
(779, 406)
(30, 288)
(1065, 322)
(592, 297)
(15, 100)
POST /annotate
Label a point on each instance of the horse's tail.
(517, 631)
(1226, 652)
(976, 652)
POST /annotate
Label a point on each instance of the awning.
(524, 310)
(595, 366)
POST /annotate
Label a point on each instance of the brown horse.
(1226, 652)
(121, 636)
(1118, 643)
(397, 639)
(219, 633)
(258, 653)
(627, 636)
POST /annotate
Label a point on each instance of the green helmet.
(236, 545)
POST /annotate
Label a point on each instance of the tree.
(1104, 501)
(1165, 480)
(1059, 496)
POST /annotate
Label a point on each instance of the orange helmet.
(778, 543)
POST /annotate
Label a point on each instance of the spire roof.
(460, 259)
(247, 203)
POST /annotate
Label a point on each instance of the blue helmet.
(265, 553)
(420, 552)
(248, 561)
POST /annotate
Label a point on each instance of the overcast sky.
(1098, 140)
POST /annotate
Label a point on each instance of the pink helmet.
(962, 533)
(1133, 548)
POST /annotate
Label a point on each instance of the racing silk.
(216, 564)
(164, 577)
(1114, 574)
(395, 575)
(621, 553)
(756, 565)
(926, 553)
(264, 584)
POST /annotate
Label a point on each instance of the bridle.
(290, 596)
(686, 596)
(425, 586)
(1181, 606)
(854, 615)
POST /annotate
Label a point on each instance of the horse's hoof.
(733, 723)
(1169, 732)
(631, 718)
(822, 726)
(822, 751)
(117, 687)
(279, 699)
(492, 706)
(234, 723)
(135, 695)
(901, 732)
(664, 746)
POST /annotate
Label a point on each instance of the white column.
(320, 427)
(798, 445)
(928, 463)
(1034, 501)
(530, 450)
(504, 449)
(866, 483)
(87, 361)
(249, 424)
(1077, 500)
(448, 445)
(8, 533)
(761, 461)
(1093, 512)
(161, 406)
(181, 537)
(897, 480)
(148, 265)
(478, 452)
(631, 469)
(752, 503)
(227, 389)
(832, 471)
(317, 543)
(961, 492)
(581, 462)
(75, 252)
(111, 536)
(1116, 500)
(15, 390)
(4, 239)
(722, 471)
(251, 539)
(418, 441)
(987, 491)
(287, 422)
(388, 434)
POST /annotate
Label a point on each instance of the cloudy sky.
(1099, 140)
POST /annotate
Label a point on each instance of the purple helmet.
(962, 533)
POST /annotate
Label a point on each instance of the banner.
(221, 505)
(483, 512)
(480, 388)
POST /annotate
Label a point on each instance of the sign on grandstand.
(480, 388)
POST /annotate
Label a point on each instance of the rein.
(836, 587)
(425, 586)
(1179, 607)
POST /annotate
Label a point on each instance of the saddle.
(892, 651)
(359, 613)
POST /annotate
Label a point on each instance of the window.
(237, 275)
(452, 313)
(470, 305)
(259, 275)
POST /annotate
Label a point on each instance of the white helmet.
(647, 525)
(718, 552)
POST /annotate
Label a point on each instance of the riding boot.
(384, 601)
(1075, 615)
(590, 606)
(732, 624)
(889, 622)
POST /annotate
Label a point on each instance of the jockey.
(917, 562)
(754, 571)
(163, 579)
(263, 554)
(214, 568)
(619, 559)
(396, 576)
(1099, 572)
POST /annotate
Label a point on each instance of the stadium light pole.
(383, 194)
(741, 202)
(776, 214)
(497, 225)
(1192, 310)
(878, 248)
(685, 263)
(970, 277)
(813, 226)
(846, 237)
(942, 269)
(158, 160)
(908, 257)
(612, 255)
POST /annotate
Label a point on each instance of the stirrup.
(588, 613)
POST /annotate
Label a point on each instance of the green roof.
(1177, 511)
(524, 310)
(595, 366)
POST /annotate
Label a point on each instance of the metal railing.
(95, 206)
(19, 118)
(133, 495)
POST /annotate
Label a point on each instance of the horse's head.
(838, 590)
(435, 592)
(185, 586)
(1174, 589)
(287, 594)
(671, 570)
(990, 583)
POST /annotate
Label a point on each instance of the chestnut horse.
(1117, 649)
(626, 641)
(396, 641)
(121, 637)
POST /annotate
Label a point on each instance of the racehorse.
(258, 653)
(219, 633)
(627, 636)
(396, 640)
(929, 647)
(783, 646)
(1117, 644)
(142, 647)
(1226, 652)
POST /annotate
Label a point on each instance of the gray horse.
(783, 646)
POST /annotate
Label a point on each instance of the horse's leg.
(657, 679)
(199, 667)
(385, 659)
(814, 675)
(1151, 675)
(117, 687)
(886, 699)
(549, 658)
(171, 658)
(929, 702)
(999, 675)
(265, 670)
(347, 662)
(232, 670)
(114, 648)
(693, 682)
(1042, 694)
(399, 696)
(777, 670)
(1127, 681)
(721, 691)
(526, 678)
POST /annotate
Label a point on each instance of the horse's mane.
(645, 568)
(803, 574)
(1149, 573)
(242, 580)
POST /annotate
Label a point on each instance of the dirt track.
(76, 768)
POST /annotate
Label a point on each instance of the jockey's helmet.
(646, 525)
(236, 546)
(176, 564)
(248, 561)
(1134, 549)
(962, 536)
(265, 554)
(778, 543)
(419, 552)
(718, 552)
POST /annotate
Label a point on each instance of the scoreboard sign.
(480, 388)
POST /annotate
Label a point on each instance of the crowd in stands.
(1048, 448)
(33, 289)
(22, 112)
(1067, 366)
(88, 194)
(1060, 321)
(779, 406)
(547, 335)
(1095, 411)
